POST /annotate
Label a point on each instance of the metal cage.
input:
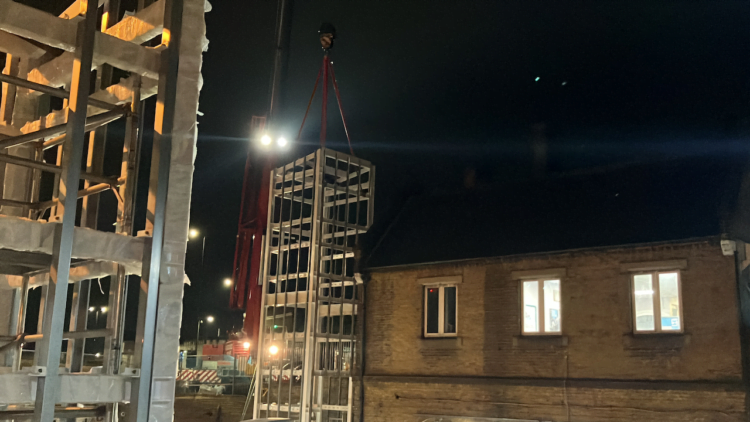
(319, 206)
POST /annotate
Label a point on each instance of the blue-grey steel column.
(158, 187)
(48, 386)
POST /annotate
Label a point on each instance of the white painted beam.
(20, 388)
(119, 94)
(31, 23)
(145, 25)
(80, 271)
(139, 28)
(17, 46)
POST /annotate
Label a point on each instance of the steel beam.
(10, 159)
(18, 388)
(91, 190)
(31, 23)
(55, 92)
(48, 387)
(78, 321)
(12, 203)
(60, 412)
(35, 338)
(92, 123)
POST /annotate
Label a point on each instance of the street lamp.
(194, 234)
(209, 319)
(103, 310)
(227, 282)
(273, 349)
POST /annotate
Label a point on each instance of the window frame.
(656, 302)
(441, 310)
(539, 312)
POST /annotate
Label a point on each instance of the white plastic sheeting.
(184, 137)
(26, 235)
(78, 272)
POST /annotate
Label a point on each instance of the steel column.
(79, 313)
(157, 203)
(54, 311)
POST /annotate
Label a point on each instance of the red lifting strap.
(341, 109)
(325, 69)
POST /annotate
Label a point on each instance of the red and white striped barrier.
(202, 376)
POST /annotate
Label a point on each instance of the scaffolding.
(319, 206)
(59, 95)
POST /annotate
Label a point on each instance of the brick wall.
(416, 400)
(596, 321)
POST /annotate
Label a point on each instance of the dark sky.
(431, 88)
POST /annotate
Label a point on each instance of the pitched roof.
(645, 203)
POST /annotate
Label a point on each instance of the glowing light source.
(246, 345)
(273, 350)
(105, 21)
(165, 36)
(210, 318)
(537, 79)
(193, 233)
(92, 309)
(98, 354)
(265, 140)
(104, 309)
(281, 141)
(227, 282)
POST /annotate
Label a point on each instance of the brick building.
(597, 297)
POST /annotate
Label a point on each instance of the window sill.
(659, 341)
(441, 343)
(540, 342)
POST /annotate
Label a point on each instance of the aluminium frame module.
(63, 56)
(319, 206)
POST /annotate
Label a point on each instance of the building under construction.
(65, 79)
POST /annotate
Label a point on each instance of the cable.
(309, 103)
(341, 109)
(324, 112)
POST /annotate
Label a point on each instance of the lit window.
(440, 311)
(657, 302)
(541, 307)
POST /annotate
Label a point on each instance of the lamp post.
(209, 319)
(194, 234)
(103, 310)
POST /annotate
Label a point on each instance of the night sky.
(431, 88)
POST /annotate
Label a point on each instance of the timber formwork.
(59, 93)
(319, 207)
